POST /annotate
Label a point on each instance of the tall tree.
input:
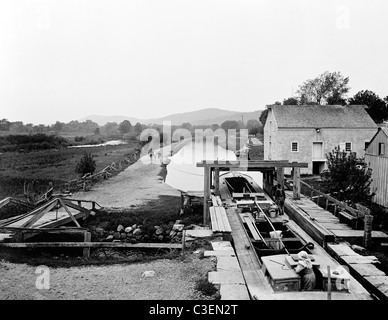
(230, 124)
(328, 86)
(263, 116)
(253, 126)
(377, 107)
(348, 178)
(125, 127)
(290, 102)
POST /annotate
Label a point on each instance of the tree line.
(331, 88)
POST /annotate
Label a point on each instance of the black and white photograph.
(199, 157)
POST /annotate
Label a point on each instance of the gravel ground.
(174, 279)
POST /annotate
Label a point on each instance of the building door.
(317, 157)
(317, 151)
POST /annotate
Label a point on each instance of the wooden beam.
(296, 184)
(252, 164)
(206, 195)
(40, 214)
(280, 176)
(217, 181)
(91, 245)
(87, 238)
(69, 213)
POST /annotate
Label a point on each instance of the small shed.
(376, 156)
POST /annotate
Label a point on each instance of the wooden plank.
(220, 220)
(258, 286)
(380, 283)
(90, 245)
(359, 234)
(360, 259)
(226, 277)
(366, 270)
(213, 219)
(341, 250)
(39, 215)
(225, 220)
(253, 231)
(233, 291)
(69, 213)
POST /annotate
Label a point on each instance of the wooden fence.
(85, 183)
(317, 195)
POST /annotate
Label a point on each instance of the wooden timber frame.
(270, 168)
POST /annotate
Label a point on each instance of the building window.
(381, 149)
(348, 146)
(294, 147)
(366, 144)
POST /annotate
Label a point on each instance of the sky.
(66, 59)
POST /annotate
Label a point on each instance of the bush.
(205, 287)
(86, 165)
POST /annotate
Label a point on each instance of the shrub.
(205, 287)
(86, 165)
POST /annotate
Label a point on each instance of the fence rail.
(337, 204)
(85, 183)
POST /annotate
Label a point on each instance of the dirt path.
(174, 279)
(135, 186)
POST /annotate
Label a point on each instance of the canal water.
(184, 175)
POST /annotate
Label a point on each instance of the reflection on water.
(182, 172)
(108, 143)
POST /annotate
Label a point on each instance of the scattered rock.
(178, 222)
(109, 238)
(100, 231)
(173, 233)
(178, 227)
(138, 238)
(134, 226)
(123, 235)
(120, 228)
(128, 229)
(159, 231)
(116, 235)
(160, 238)
(133, 241)
(137, 232)
(148, 274)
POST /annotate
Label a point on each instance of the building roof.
(383, 129)
(322, 116)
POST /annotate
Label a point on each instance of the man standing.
(280, 197)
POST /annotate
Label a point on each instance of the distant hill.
(206, 116)
(101, 120)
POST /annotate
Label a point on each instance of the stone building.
(307, 133)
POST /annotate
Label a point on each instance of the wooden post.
(335, 209)
(296, 184)
(368, 230)
(328, 283)
(280, 176)
(217, 181)
(206, 194)
(87, 238)
(319, 196)
(183, 241)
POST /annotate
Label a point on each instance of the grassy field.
(53, 165)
